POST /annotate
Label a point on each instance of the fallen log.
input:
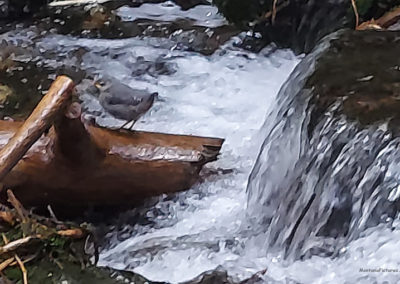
(127, 168)
(75, 164)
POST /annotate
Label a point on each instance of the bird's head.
(101, 85)
(155, 97)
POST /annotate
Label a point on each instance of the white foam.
(225, 95)
(202, 15)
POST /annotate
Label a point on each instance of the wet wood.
(77, 165)
(389, 18)
(38, 122)
(119, 168)
(382, 23)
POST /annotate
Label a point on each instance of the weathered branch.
(37, 123)
(355, 10)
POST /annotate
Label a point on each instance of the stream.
(232, 94)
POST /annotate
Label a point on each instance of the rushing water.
(217, 223)
(225, 95)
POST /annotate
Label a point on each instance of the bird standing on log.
(124, 102)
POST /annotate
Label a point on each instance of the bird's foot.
(133, 123)
(129, 128)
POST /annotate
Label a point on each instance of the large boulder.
(298, 24)
(328, 168)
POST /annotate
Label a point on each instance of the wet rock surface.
(194, 25)
(342, 103)
(361, 70)
(299, 24)
(124, 19)
(28, 67)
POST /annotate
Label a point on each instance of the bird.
(124, 102)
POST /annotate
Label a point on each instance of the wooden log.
(128, 167)
(76, 165)
(38, 122)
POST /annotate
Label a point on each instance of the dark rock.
(369, 78)
(188, 4)
(159, 67)
(299, 24)
(212, 277)
(102, 21)
(220, 276)
(242, 12)
(4, 9)
(331, 147)
(17, 9)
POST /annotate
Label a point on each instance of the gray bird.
(124, 102)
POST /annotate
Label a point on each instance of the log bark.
(122, 168)
(38, 122)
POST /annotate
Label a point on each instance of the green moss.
(362, 70)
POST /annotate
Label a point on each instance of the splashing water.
(224, 95)
(201, 15)
(227, 95)
(315, 196)
(283, 221)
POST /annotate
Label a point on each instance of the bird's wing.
(123, 100)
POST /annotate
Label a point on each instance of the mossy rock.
(361, 69)
(47, 272)
(53, 251)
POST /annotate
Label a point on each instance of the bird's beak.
(97, 85)
(157, 98)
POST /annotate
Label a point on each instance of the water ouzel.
(124, 102)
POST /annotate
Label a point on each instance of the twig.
(32, 257)
(278, 8)
(16, 257)
(71, 233)
(17, 205)
(273, 11)
(6, 263)
(5, 240)
(12, 246)
(53, 216)
(56, 262)
(23, 269)
(353, 3)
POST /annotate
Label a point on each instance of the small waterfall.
(319, 183)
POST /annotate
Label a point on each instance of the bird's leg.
(125, 124)
(133, 123)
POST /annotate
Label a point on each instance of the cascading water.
(317, 188)
(224, 95)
